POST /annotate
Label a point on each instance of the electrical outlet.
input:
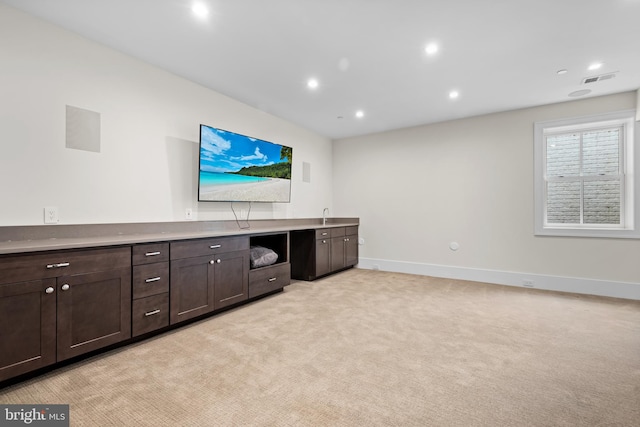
(188, 213)
(50, 215)
(243, 213)
(528, 283)
(375, 267)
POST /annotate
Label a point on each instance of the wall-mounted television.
(238, 168)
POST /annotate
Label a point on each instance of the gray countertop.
(24, 239)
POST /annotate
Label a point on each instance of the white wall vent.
(599, 78)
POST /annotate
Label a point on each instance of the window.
(584, 180)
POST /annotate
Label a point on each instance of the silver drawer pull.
(49, 290)
(324, 234)
(215, 246)
(273, 279)
(65, 287)
(58, 265)
(152, 253)
(153, 279)
(151, 313)
(324, 241)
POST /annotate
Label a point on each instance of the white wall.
(471, 181)
(147, 167)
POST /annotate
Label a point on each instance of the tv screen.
(238, 168)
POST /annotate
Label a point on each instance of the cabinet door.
(231, 278)
(27, 326)
(337, 253)
(94, 311)
(351, 250)
(323, 257)
(191, 288)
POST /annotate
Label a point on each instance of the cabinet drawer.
(350, 231)
(150, 279)
(337, 232)
(149, 314)
(201, 247)
(20, 268)
(268, 279)
(323, 233)
(149, 253)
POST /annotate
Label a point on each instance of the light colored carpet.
(370, 348)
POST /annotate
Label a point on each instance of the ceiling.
(369, 55)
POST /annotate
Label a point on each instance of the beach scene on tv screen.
(235, 167)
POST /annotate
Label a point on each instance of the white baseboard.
(605, 288)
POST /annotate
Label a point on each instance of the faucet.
(324, 217)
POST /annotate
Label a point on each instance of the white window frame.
(630, 211)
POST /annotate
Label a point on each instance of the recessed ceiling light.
(431, 49)
(595, 66)
(454, 94)
(563, 71)
(200, 9)
(343, 64)
(313, 83)
(359, 114)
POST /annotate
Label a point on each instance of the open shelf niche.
(277, 242)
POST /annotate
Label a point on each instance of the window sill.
(591, 232)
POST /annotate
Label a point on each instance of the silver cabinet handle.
(49, 290)
(65, 287)
(273, 279)
(324, 234)
(152, 253)
(58, 265)
(215, 246)
(151, 313)
(212, 262)
(153, 279)
(324, 241)
(218, 260)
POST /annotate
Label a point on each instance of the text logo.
(34, 415)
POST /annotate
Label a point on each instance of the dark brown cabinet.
(94, 310)
(60, 304)
(344, 247)
(310, 254)
(27, 326)
(316, 253)
(70, 303)
(207, 274)
(191, 288)
(150, 306)
(230, 278)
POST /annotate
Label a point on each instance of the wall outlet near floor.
(528, 283)
(375, 267)
(188, 213)
(51, 215)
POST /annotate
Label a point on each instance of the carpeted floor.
(370, 348)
